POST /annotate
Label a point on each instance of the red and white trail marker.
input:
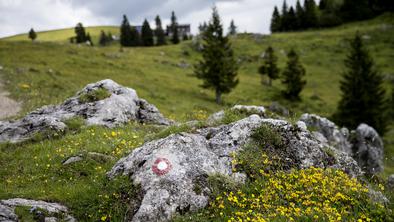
(161, 166)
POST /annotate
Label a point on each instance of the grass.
(94, 95)
(50, 70)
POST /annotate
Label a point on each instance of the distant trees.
(32, 34)
(269, 67)
(159, 32)
(362, 90)
(218, 68)
(80, 33)
(126, 35)
(293, 76)
(174, 29)
(105, 39)
(146, 34)
(328, 13)
(232, 30)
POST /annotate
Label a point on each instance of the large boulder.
(368, 149)
(103, 103)
(54, 211)
(363, 144)
(172, 172)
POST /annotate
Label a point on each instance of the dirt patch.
(8, 106)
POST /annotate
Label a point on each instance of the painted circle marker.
(161, 166)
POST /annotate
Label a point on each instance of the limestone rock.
(121, 106)
(249, 110)
(368, 149)
(7, 208)
(73, 159)
(390, 182)
(169, 169)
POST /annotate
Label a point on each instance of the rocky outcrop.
(390, 182)
(7, 208)
(368, 149)
(170, 170)
(247, 110)
(363, 144)
(103, 103)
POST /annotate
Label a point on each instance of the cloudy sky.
(18, 16)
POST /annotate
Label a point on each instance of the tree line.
(327, 13)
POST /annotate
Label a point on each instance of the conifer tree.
(311, 16)
(80, 33)
(300, 15)
(174, 29)
(353, 10)
(362, 90)
(232, 30)
(32, 34)
(293, 76)
(126, 35)
(159, 32)
(291, 20)
(103, 39)
(270, 67)
(135, 39)
(323, 4)
(146, 34)
(218, 68)
(284, 24)
(275, 21)
(202, 27)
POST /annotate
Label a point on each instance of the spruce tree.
(159, 32)
(126, 33)
(232, 30)
(300, 15)
(293, 76)
(270, 67)
(202, 27)
(174, 29)
(284, 24)
(80, 33)
(103, 39)
(32, 34)
(323, 4)
(275, 21)
(311, 19)
(362, 90)
(135, 38)
(218, 68)
(291, 20)
(146, 34)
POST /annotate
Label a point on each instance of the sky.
(18, 16)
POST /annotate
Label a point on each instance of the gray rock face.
(7, 208)
(368, 149)
(121, 106)
(249, 110)
(338, 138)
(169, 169)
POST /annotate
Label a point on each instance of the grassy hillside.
(63, 35)
(50, 70)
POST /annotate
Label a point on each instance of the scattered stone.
(121, 106)
(162, 53)
(168, 169)
(1, 67)
(390, 181)
(51, 219)
(99, 157)
(366, 37)
(73, 159)
(7, 209)
(183, 65)
(368, 149)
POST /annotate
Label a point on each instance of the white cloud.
(18, 16)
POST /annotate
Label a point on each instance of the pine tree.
(80, 33)
(300, 15)
(311, 16)
(291, 20)
(103, 40)
(275, 21)
(174, 29)
(284, 24)
(232, 30)
(126, 34)
(353, 10)
(146, 34)
(159, 32)
(362, 90)
(218, 69)
(323, 4)
(32, 34)
(270, 67)
(135, 38)
(292, 76)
